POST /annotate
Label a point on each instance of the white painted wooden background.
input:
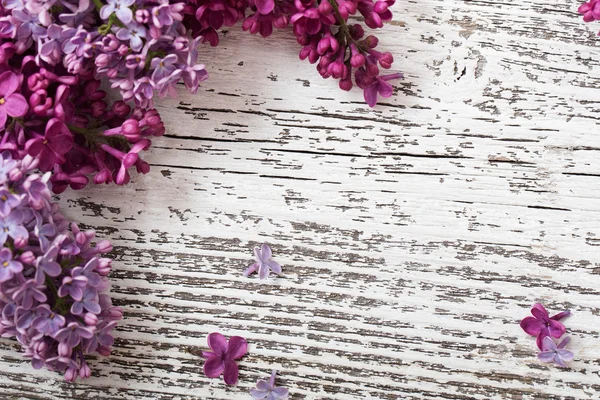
(414, 236)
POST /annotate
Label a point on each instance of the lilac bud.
(20, 242)
(371, 41)
(70, 374)
(104, 266)
(380, 7)
(121, 108)
(85, 371)
(357, 32)
(90, 319)
(325, 8)
(104, 176)
(123, 50)
(357, 60)
(142, 16)
(27, 258)
(386, 60)
(115, 313)
(281, 21)
(98, 109)
(64, 350)
(346, 84)
(103, 246)
(131, 130)
(102, 60)
(40, 346)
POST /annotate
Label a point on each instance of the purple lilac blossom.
(542, 325)
(264, 265)
(54, 298)
(221, 360)
(268, 391)
(551, 352)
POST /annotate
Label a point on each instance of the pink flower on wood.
(542, 325)
(221, 360)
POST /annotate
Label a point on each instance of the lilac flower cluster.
(141, 46)
(340, 49)
(545, 327)
(53, 286)
(66, 122)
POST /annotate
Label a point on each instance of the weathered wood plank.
(413, 236)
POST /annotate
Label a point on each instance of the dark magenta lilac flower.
(264, 265)
(268, 391)
(221, 360)
(551, 352)
(542, 325)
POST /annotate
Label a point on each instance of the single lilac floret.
(264, 265)
(120, 8)
(268, 390)
(555, 353)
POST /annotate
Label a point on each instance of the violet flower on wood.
(264, 265)
(551, 352)
(268, 391)
(221, 360)
(542, 325)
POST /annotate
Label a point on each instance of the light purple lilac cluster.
(141, 46)
(53, 286)
(338, 47)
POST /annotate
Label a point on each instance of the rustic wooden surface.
(414, 236)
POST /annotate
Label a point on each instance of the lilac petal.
(217, 343)
(546, 356)
(275, 267)
(548, 344)
(258, 394)
(561, 315)
(124, 14)
(3, 117)
(264, 6)
(257, 254)
(263, 271)
(559, 361)
(565, 355)
(213, 367)
(385, 89)
(237, 347)
(564, 342)
(106, 11)
(265, 252)
(8, 84)
(5, 274)
(77, 308)
(371, 95)
(52, 268)
(92, 307)
(532, 326)
(539, 341)
(251, 269)
(556, 328)
(540, 312)
(231, 372)
(263, 386)
(281, 392)
(16, 105)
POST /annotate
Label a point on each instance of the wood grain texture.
(414, 236)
